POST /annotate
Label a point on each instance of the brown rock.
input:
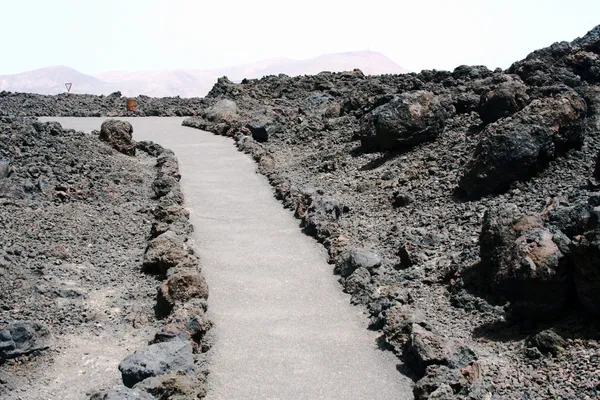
(182, 286)
(118, 134)
(167, 251)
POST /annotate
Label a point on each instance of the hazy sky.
(102, 35)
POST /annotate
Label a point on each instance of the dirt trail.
(284, 329)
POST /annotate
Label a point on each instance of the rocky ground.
(459, 208)
(87, 105)
(96, 261)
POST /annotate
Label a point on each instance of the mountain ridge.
(189, 82)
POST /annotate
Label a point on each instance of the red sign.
(68, 86)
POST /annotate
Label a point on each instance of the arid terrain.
(458, 208)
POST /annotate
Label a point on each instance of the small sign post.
(68, 86)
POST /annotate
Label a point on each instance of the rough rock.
(407, 120)
(547, 341)
(516, 148)
(180, 287)
(435, 383)
(167, 251)
(259, 131)
(502, 101)
(168, 165)
(119, 135)
(153, 149)
(221, 110)
(398, 322)
(187, 322)
(173, 385)
(357, 258)
(155, 360)
(22, 337)
(321, 213)
(425, 348)
(522, 263)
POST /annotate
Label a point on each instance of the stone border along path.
(283, 329)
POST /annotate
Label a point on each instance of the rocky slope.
(87, 105)
(89, 225)
(459, 208)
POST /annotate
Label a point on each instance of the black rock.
(409, 119)
(547, 341)
(508, 98)
(259, 131)
(156, 359)
(20, 338)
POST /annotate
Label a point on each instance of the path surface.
(284, 329)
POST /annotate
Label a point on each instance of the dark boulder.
(408, 119)
(521, 263)
(119, 135)
(547, 341)
(259, 131)
(22, 337)
(516, 148)
(502, 101)
(155, 360)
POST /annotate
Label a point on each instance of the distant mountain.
(51, 80)
(189, 82)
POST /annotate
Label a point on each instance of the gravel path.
(283, 327)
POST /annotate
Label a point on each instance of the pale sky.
(103, 35)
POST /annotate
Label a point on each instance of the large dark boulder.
(516, 148)
(408, 119)
(503, 100)
(521, 263)
(119, 135)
